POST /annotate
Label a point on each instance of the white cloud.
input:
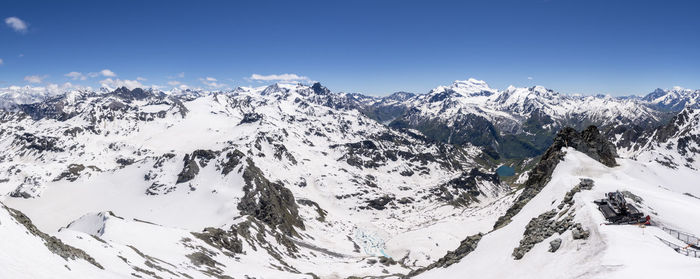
(57, 89)
(115, 83)
(1, 61)
(34, 79)
(173, 83)
(104, 73)
(211, 82)
(53, 88)
(76, 76)
(184, 87)
(141, 79)
(282, 77)
(108, 73)
(16, 24)
(529, 78)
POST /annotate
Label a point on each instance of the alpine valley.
(296, 181)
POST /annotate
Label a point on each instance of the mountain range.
(297, 181)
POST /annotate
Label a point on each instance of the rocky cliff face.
(675, 144)
(589, 141)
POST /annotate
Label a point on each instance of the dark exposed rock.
(189, 171)
(73, 131)
(554, 245)
(585, 184)
(250, 118)
(269, 202)
(463, 190)
(365, 144)
(321, 213)
(405, 200)
(125, 161)
(539, 229)
(224, 240)
(233, 160)
(589, 141)
(52, 109)
(320, 89)
(407, 172)
(39, 143)
(191, 168)
(386, 261)
(630, 136)
(465, 128)
(465, 247)
(380, 203)
(54, 244)
(281, 150)
(135, 94)
(72, 173)
(553, 221)
(578, 232)
(200, 258)
(679, 127)
(116, 105)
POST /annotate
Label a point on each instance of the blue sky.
(373, 47)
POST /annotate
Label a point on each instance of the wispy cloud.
(281, 77)
(141, 79)
(35, 78)
(529, 78)
(108, 73)
(76, 76)
(114, 83)
(16, 24)
(104, 73)
(211, 82)
(173, 83)
(1, 61)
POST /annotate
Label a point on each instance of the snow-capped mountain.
(555, 225)
(516, 122)
(674, 99)
(280, 178)
(675, 144)
(296, 181)
(560, 232)
(510, 107)
(13, 95)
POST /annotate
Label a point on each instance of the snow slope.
(25, 255)
(624, 251)
(310, 186)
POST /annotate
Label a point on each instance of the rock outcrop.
(52, 243)
(589, 141)
(467, 246)
(269, 202)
